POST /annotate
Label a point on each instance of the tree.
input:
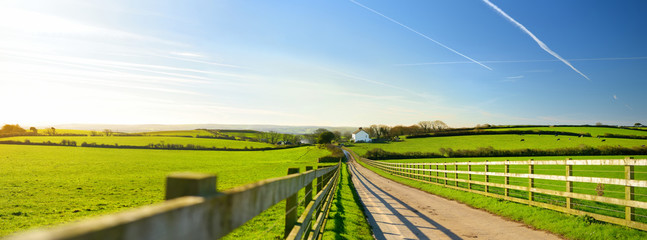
(374, 130)
(51, 131)
(438, 126)
(384, 131)
(413, 129)
(398, 130)
(338, 136)
(33, 130)
(637, 125)
(326, 137)
(107, 132)
(425, 126)
(12, 129)
(347, 135)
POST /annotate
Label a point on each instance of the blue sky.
(335, 63)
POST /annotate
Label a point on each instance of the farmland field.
(67, 131)
(49, 185)
(145, 140)
(504, 142)
(594, 131)
(238, 133)
(614, 191)
(569, 226)
(192, 133)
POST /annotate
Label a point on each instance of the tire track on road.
(396, 211)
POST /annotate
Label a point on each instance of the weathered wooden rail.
(195, 210)
(449, 175)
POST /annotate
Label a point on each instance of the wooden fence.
(195, 210)
(619, 200)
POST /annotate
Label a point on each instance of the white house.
(361, 136)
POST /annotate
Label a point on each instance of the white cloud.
(35, 23)
(522, 61)
(515, 77)
(187, 54)
(421, 34)
(539, 42)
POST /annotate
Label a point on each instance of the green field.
(144, 141)
(511, 141)
(45, 185)
(239, 134)
(192, 133)
(67, 131)
(594, 131)
(568, 226)
(614, 191)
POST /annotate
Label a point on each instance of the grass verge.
(568, 226)
(346, 218)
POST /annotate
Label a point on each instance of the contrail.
(416, 32)
(524, 61)
(541, 44)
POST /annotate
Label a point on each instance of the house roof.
(359, 130)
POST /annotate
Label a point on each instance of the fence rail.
(562, 199)
(195, 210)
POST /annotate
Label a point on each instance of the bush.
(336, 154)
(474, 132)
(583, 150)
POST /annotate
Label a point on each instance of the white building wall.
(361, 136)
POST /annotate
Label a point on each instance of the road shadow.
(379, 234)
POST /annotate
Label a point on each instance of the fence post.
(487, 177)
(308, 196)
(531, 181)
(291, 207)
(506, 170)
(469, 175)
(455, 174)
(629, 190)
(569, 184)
(319, 181)
(189, 184)
(445, 175)
(437, 174)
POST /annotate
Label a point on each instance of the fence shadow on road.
(379, 234)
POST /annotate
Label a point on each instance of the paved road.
(396, 211)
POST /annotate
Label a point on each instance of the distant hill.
(162, 127)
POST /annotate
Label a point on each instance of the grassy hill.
(144, 141)
(50, 185)
(433, 144)
(594, 131)
(185, 133)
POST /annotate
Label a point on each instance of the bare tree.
(426, 126)
(107, 132)
(439, 126)
(51, 131)
(384, 131)
(374, 130)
